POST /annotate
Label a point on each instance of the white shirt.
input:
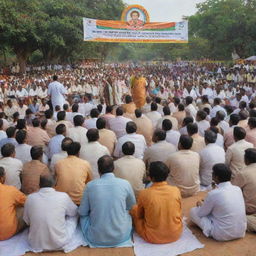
(217, 108)
(2, 135)
(212, 154)
(220, 140)
(226, 209)
(45, 212)
(224, 126)
(13, 168)
(54, 145)
(202, 126)
(91, 152)
(90, 123)
(173, 137)
(85, 108)
(138, 141)
(154, 116)
(56, 158)
(118, 125)
(191, 110)
(56, 90)
(78, 134)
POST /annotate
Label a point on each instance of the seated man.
(184, 168)
(157, 216)
(11, 221)
(246, 180)
(104, 210)
(73, 173)
(222, 214)
(51, 216)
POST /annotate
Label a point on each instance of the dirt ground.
(241, 247)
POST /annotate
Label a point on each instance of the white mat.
(187, 243)
(18, 245)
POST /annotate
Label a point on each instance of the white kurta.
(57, 91)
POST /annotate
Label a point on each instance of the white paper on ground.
(187, 243)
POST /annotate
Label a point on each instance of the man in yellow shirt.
(157, 216)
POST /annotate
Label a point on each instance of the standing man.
(56, 92)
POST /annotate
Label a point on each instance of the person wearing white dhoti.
(56, 91)
(222, 214)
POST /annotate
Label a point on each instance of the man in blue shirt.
(104, 209)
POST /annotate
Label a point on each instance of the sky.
(167, 10)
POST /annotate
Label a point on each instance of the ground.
(241, 247)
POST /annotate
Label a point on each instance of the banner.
(135, 28)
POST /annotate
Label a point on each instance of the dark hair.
(7, 150)
(239, 133)
(243, 114)
(36, 122)
(65, 143)
(94, 113)
(128, 148)
(167, 125)
(55, 78)
(181, 107)
(221, 115)
(99, 107)
(222, 172)
(105, 164)
(135, 12)
(201, 114)
(189, 100)
(214, 121)
(21, 124)
(46, 181)
(109, 109)
(16, 115)
(205, 99)
(57, 108)
(250, 155)
(92, 135)
(2, 123)
(73, 148)
(206, 110)
(192, 128)
(187, 120)
(166, 110)
(158, 100)
(252, 113)
(210, 136)
(10, 132)
(119, 111)
(28, 112)
(242, 104)
(65, 106)
(2, 172)
(216, 101)
(131, 127)
(252, 122)
(186, 142)
(160, 134)
(36, 152)
(128, 99)
(101, 123)
(176, 100)
(138, 113)
(78, 120)
(48, 113)
(158, 171)
(21, 136)
(234, 119)
(60, 129)
(61, 115)
(75, 107)
(153, 106)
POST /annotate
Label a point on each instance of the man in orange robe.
(138, 90)
(157, 217)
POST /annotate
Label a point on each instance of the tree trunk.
(22, 60)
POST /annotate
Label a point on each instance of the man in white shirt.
(167, 115)
(91, 122)
(93, 150)
(137, 139)
(78, 133)
(56, 91)
(202, 123)
(190, 109)
(209, 156)
(222, 214)
(217, 107)
(2, 132)
(12, 166)
(172, 136)
(154, 115)
(51, 216)
(118, 124)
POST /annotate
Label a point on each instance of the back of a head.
(252, 113)
(187, 120)
(119, 111)
(189, 100)
(57, 108)
(65, 107)
(166, 110)
(192, 128)
(201, 115)
(21, 136)
(221, 115)
(176, 100)
(61, 115)
(94, 113)
(100, 108)
(210, 136)
(252, 122)
(128, 99)
(92, 135)
(214, 121)
(243, 114)
(1, 123)
(138, 113)
(221, 172)
(60, 129)
(234, 119)
(158, 171)
(55, 78)
(216, 101)
(128, 148)
(65, 143)
(36, 122)
(48, 113)
(167, 125)
(101, 123)
(46, 181)
(205, 99)
(158, 100)
(78, 120)
(36, 152)
(250, 156)
(181, 107)
(75, 107)
(105, 164)
(160, 135)
(74, 149)
(2, 172)
(21, 124)
(10, 132)
(153, 106)
(131, 127)
(239, 133)
(7, 150)
(206, 110)
(185, 142)
(109, 109)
